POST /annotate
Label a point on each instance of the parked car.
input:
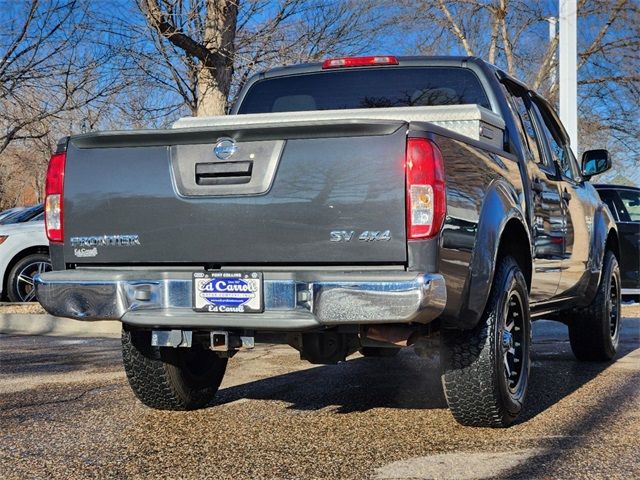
(624, 204)
(8, 212)
(24, 252)
(24, 214)
(360, 203)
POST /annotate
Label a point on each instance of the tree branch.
(595, 45)
(158, 20)
(456, 29)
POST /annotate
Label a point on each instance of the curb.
(42, 324)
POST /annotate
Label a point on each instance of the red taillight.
(426, 192)
(54, 192)
(359, 61)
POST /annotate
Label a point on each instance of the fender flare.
(603, 226)
(500, 206)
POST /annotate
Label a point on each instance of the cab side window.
(525, 125)
(528, 129)
(558, 148)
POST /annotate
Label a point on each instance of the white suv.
(24, 252)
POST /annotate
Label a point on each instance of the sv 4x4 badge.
(366, 236)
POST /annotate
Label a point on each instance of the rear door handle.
(223, 173)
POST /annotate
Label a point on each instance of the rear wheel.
(169, 378)
(381, 352)
(20, 286)
(486, 369)
(594, 331)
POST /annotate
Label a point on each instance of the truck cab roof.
(403, 61)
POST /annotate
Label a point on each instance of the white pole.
(568, 71)
(553, 31)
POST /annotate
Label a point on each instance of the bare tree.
(48, 66)
(513, 34)
(298, 31)
(211, 43)
(54, 76)
(178, 52)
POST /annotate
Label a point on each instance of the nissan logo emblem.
(225, 148)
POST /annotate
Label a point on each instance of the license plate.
(227, 292)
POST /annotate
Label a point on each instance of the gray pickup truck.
(364, 203)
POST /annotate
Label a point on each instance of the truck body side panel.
(484, 190)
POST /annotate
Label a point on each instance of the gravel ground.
(66, 412)
(631, 310)
(20, 308)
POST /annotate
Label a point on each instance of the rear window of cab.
(365, 88)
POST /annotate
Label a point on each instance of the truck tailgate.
(275, 200)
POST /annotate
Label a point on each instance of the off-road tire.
(593, 333)
(477, 386)
(168, 378)
(379, 352)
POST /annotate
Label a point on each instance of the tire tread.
(470, 379)
(588, 336)
(156, 382)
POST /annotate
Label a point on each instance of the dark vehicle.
(8, 212)
(28, 214)
(359, 204)
(624, 203)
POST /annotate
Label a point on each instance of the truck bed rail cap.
(436, 113)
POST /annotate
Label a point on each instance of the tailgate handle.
(223, 173)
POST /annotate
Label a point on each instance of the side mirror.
(595, 162)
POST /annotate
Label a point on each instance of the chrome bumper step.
(293, 301)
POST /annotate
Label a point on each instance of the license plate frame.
(228, 292)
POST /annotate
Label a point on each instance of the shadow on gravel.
(557, 451)
(556, 373)
(33, 355)
(410, 382)
(405, 381)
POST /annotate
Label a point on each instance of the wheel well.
(19, 256)
(515, 242)
(612, 244)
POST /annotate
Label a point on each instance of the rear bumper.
(294, 301)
